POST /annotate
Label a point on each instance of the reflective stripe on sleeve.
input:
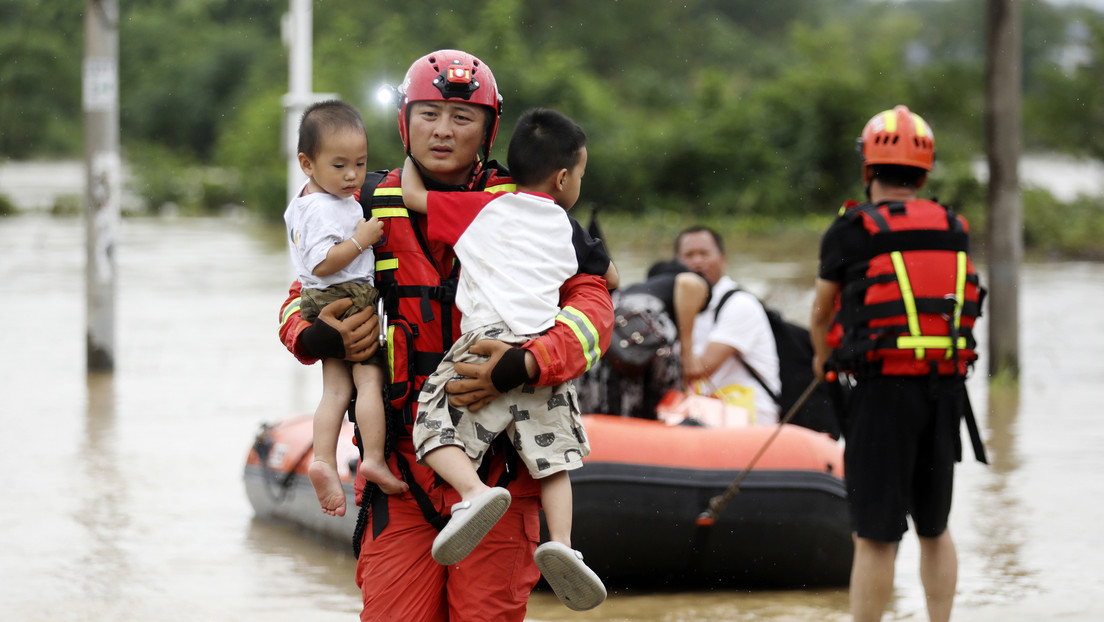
(291, 308)
(584, 331)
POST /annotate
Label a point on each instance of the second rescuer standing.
(896, 301)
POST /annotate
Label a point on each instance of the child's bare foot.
(327, 485)
(380, 475)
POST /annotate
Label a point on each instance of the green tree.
(184, 76)
(40, 79)
(711, 108)
(1066, 106)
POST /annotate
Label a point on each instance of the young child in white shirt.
(331, 249)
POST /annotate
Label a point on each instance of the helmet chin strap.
(432, 184)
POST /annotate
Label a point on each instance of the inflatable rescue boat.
(638, 499)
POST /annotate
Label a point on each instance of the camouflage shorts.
(543, 422)
(363, 296)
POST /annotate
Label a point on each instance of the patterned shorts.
(543, 422)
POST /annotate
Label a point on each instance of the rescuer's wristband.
(510, 371)
(322, 341)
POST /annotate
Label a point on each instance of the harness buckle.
(445, 292)
(955, 309)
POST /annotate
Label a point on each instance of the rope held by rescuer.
(718, 502)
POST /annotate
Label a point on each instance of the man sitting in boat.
(734, 355)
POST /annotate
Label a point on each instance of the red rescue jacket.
(910, 306)
(417, 281)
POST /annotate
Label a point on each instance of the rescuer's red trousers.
(400, 581)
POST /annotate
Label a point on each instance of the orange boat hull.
(637, 498)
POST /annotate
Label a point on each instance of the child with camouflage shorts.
(516, 249)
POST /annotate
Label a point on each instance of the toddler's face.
(341, 164)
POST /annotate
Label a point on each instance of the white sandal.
(471, 520)
(575, 584)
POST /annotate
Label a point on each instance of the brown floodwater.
(124, 501)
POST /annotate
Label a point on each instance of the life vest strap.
(894, 308)
(425, 363)
(918, 240)
(857, 287)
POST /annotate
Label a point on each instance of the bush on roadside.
(1056, 229)
(162, 177)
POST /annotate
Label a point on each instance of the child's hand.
(368, 232)
(414, 192)
(410, 175)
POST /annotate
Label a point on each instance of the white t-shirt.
(742, 324)
(315, 223)
(516, 249)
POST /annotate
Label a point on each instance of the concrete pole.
(103, 175)
(1002, 123)
(298, 38)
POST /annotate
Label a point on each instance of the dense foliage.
(708, 107)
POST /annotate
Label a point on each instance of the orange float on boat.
(277, 484)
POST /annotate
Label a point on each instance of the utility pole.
(297, 35)
(1002, 124)
(103, 177)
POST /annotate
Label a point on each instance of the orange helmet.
(450, 75)
(899, 137)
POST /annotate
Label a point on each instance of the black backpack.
(823, 411)
(637, 341)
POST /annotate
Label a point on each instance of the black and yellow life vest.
(909, 307)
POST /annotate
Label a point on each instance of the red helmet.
(450, 75)
(900, 137)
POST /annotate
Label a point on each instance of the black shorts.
(902, 443)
